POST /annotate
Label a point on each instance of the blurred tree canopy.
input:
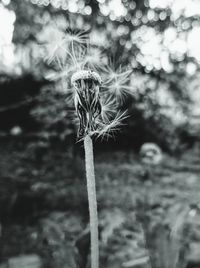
(151, 38)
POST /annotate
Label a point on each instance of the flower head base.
(87, 100)
(85, 75)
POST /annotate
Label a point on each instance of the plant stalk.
(92, 200)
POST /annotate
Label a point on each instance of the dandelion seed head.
(150, 153)
(87, 99)
(96, 114)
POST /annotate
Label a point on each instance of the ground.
(145, 215)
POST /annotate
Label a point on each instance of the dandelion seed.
(74, 64)
(52, 39)
(75, 40)
(77, 62)
(117, 82)
(76, 36)
(61, 45)
(106, 129)
(94, 58)
(109, 107)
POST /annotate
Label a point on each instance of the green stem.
(92, 200)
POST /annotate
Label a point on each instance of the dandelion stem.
(91, 188)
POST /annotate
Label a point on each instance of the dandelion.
(94, 120)
(150, 154)
(88, 107)
(87, 99)
(95, 101)
(94, 113)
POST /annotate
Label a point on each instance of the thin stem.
(91, 188)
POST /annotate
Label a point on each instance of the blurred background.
(148, 210)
